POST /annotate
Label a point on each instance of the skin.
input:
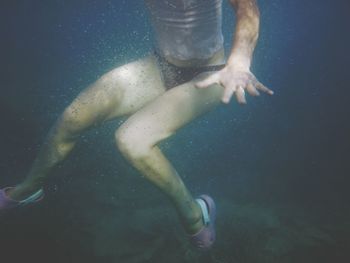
(136, 90)
(236, 77)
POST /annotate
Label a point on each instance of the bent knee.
(132, 143)
(92, 107)
(74, 121)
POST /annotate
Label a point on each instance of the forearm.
(246, 32)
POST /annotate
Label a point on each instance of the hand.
(235, 80)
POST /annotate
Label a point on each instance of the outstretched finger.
(240, 95)
(227, 95)
(263, 88)
(252, 90)
(212, 79)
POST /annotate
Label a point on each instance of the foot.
(7, 202)
(22, 191)
(205, 237)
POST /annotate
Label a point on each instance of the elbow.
(246, 7)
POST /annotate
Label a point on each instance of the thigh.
(137, 84)
(122, 91)
(172, 110)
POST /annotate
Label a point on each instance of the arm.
(236, 76)
(246, 33)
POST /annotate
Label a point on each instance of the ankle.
(196, 222)
(195, 228)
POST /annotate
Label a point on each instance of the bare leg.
(119, 92)
(137, 139)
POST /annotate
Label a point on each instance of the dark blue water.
(278, 167)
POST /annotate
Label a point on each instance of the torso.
(187, 29)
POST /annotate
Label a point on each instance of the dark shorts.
(173, 75)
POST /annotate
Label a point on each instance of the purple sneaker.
(205, 238)
(7, 203)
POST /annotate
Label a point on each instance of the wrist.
(239, 61)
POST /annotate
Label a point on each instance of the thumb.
(212, 79)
